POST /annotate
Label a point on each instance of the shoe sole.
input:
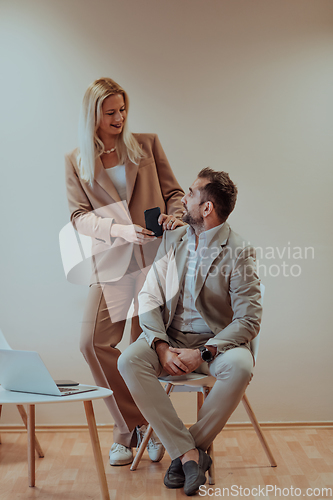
(121, 462)
(124, 461)
(172, 485)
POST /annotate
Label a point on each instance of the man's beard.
(194, 222)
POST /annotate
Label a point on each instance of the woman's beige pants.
(102, 329)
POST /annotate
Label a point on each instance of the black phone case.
(151, 217)
(66, 383)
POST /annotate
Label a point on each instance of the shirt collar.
(205, 237)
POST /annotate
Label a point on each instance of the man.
(199, 309)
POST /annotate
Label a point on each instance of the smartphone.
(66, 382)
(151, 217)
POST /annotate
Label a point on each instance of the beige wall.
(244, 86)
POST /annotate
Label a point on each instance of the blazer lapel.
(180, 266)
(181, 257)
(104, 180)
(131, 172)
(211, 254)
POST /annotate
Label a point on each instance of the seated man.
(199, 309)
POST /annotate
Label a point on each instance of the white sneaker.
(155, 448)
(120, 455)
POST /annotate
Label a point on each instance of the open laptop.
(24, 371)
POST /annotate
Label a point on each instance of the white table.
(19, 398)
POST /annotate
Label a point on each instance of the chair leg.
(0, 416)
(200, 399)
(142, 447)
(201, 396)
(211, 470)
(258, 430)
(24, 418)
(168, 389)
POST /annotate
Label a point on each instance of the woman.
(112, 178)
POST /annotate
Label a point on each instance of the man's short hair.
(220, 190)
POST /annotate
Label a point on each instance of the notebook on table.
(24, 371)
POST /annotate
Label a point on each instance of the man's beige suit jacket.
(227, 289)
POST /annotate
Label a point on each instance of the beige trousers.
(102, 329)
(140, 368)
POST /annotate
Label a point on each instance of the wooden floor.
(304, 456)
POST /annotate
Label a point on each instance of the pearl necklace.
(112, 150)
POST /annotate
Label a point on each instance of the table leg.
(31, 444)
(24, 418)
(96, 449)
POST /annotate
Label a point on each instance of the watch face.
(206, 355)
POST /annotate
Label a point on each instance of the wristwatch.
(206, 355)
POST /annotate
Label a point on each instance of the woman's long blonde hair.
(90, 145)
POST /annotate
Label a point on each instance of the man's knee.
(236, 363)
(137, 357)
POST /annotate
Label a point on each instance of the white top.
(118, 177)
(25, 397)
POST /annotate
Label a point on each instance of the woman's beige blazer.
(95, 208)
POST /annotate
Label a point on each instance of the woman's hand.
(169, 222)
(133, 233)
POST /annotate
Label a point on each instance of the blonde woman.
(112, 178)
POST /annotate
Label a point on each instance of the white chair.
(202, 384)
(4, 345)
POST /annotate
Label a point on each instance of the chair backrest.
(254, 344)
(3, 342)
